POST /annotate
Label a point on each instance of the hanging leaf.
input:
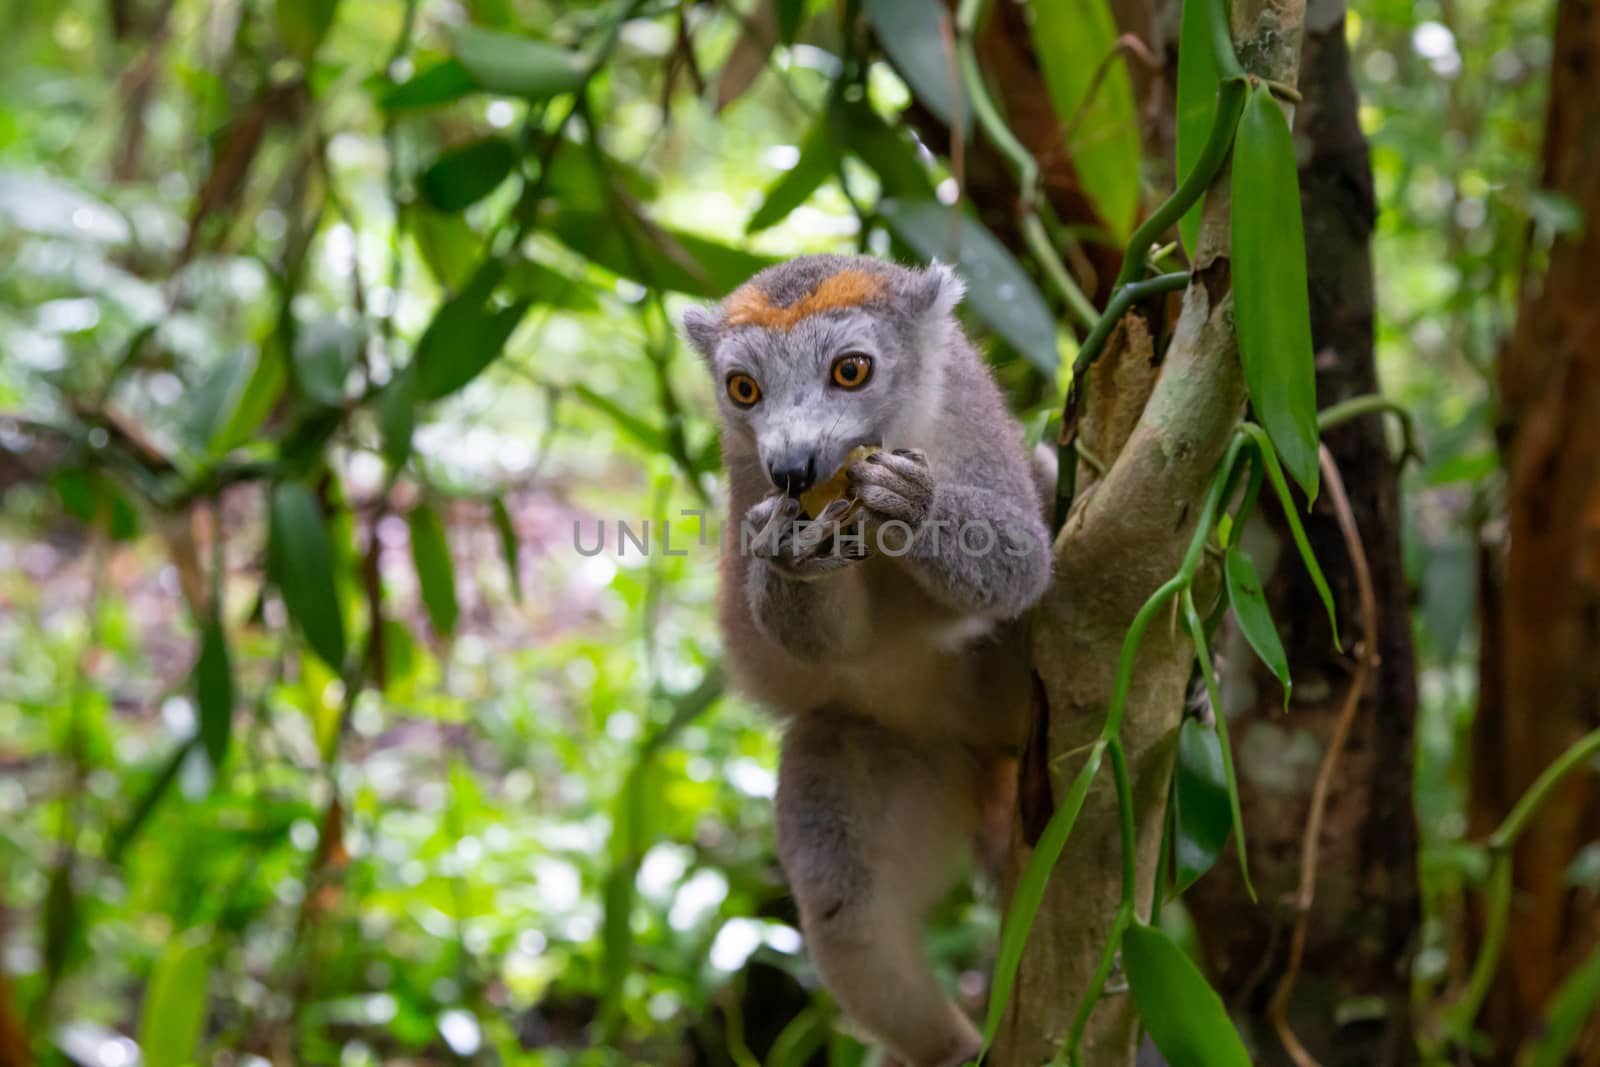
(653, 255)
(816, 163)
(513, 65)
(213, 684)
(1269, 459)
(300, 557)
(758, 33)
(1255, 618)
(436, 573)
(238, 397)
(443, 83)
(923, 53)
(1197, 634)
(448, 245)
(999, 291)
(324, 353)
(304, 24)
(1182, 1014)
(1271, 297)
(1029, 894)
(548, 287)
(1074, 40)
(1197, 104)
(467, 333)
(509, 545)
(462, 176)
(1200, 797)
(175, 1004)
(397, 416)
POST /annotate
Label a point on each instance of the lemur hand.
(775, 531)
(894, 486)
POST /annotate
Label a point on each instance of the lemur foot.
(801, 549)
(894, 486)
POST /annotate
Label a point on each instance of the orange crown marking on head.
(749, 305)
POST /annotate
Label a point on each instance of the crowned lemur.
(885, 632)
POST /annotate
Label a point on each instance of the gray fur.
(901, 669)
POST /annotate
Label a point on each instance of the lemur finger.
(881, 467)
(889, 504)
(914, 455)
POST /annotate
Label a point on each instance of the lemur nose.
(793, 477)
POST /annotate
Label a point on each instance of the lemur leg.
(873, 828)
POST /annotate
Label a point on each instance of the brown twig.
(1366, 659)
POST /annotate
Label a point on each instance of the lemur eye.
(743, 390)
(851, 370)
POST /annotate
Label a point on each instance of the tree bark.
(1540, 674)
(1366, 913)
(1125, 538)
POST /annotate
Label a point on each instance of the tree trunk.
(1365, 916)
(1125, 539)
(1540, 676)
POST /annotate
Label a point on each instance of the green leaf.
(1271, 297)
(510, 547)
(324, 352)
(910, 33)
(653, 255)
(1073, 39)
(467, 333)
(1197, 104)
(1197, 634)
(448, 245)
(513, 65)
(1029, 894)
(213, 683)
(817, 161)
(397, 416)
(1255, 618)
(889, 154)
(1182, 1014)
(175, 1004)
(238, 397)
(1291, 515)
(304, 24)
(436, 573)
(550, 288)
(300, 557)
(1200, 797)
(462, 176)
(1568, 1012)
(443, 83)
(999, 291)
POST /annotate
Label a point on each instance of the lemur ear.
(933, 292)
(703, 327)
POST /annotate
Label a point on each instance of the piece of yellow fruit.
(822, 494)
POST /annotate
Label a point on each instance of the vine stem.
(1366, 404)
(1460, 1015)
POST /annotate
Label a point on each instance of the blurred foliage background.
(392, 286)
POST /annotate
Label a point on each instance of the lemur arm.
(802, 589)
(980, 546)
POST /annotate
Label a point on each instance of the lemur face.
(824, 353)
